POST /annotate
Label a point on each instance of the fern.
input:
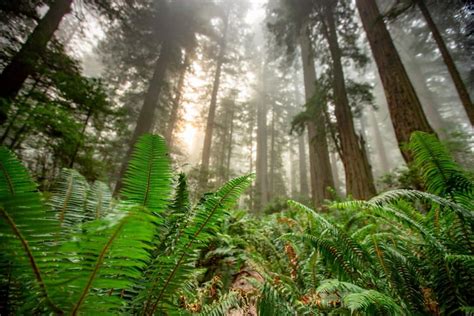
(68, 199)
(27, 230)
(173, 270)
(441, 175)
(99, 199)
(147, 181)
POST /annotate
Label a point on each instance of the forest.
(236, 157)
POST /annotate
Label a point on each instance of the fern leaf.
(25, 225)
(99, 199)
(69, 197)
(148, 178)
(173, 270)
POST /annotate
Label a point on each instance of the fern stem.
(7, 179)
(188, 246)
(148, 180)
(32, 260)
(97, 266)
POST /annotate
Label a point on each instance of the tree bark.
(229, 147)
(176, 102)
(293, 172)
(448, 60)
(206, 151)
(262, 147)
(146, 117)
(23, 63)
(359, 182)
(320, 166)
(403, 103)
(303, 168)
(335, 173)
(271, 179)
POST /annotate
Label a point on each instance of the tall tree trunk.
(176, 102)
(229, 147)
(448, 60)
(23, 63)
(206, 151)
(335, 173)
(303, 168)
(262, 147)
(293, 172)
(271, 180)
(252, 189)
(421, 87)
(379, 145)
(320, 166)
(146, 118)
(359, 182)
(403, 103)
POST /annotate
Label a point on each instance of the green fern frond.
(357, 299)
(371, 302)
(172, 271)
(105, 260)
(148, 178)
(27, 231)
(69, 198)
(99, 199)
(226, 303)
(441, 175)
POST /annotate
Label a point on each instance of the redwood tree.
(403, 103)
(359, 180)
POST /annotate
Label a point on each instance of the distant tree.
(402, 5)
(288, 22)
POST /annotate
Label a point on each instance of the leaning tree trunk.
(206, 151)
(403, 103)
(146, 118)
(320, 166)
(359, 181)
(448, 60)
(23, 63)
(176, 102)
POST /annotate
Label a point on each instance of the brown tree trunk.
(335, 173)
(206, 151)
(359, 182)
(293, 173)
(23, 63)
(271, 179)
(403, 103)
(146, 118)
(320, 166)
(448, 60)
(176, 102)
(303, 168)
(262, 147)
(229, 147)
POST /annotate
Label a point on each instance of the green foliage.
(404, 252)
(109, 255)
